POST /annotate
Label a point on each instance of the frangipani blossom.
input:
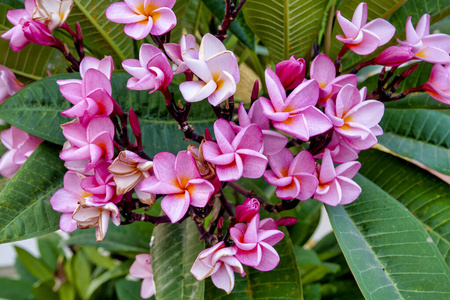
(220, 263)
(295, 114)
(37, 33)
(52, 13)
(129, 170)
(354, 119)
(151, 72)
(438, 86)
(105, 65)
(246, 211)
(143, 17)
(335, 184)
(217, 70)
(340, 151)
(187, 47)
(9, 84)
(17, 17)
(293, 177)
(179, 179)
(254, 242)
(364, 38)
(291, 72)
(236, 156)
(93, 142)
(394, 56)
(142, 268)
(433, 48)
(101, 185)
(324, 72)
(20, 146)
(273, 142)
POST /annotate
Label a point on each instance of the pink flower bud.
(286, 221)
(220, 223)
(38, 33)
(134, 122)
(246, 211)
(394, 56)
(255, 91)
(291, 72)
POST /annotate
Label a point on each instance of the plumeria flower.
(93, 141)
(246, 211)
(394, 56)
(364, 38)
(151, 72)
(17, 17)
(324, 72)
(217, 70)
(187, 48)
(236, 156)
(438, 85)
(129, 170)
(20, 146)
(433, 48)
(105, 65)
(273, 142)
(295, 114)
(9, 84)
(254, 242)
(291, 72)
(335, 184)
(101, 185)
(179, 179)
(52, 13)
(37, 33)
(340, 151)
(220, 263)
(293, 177)
(143, 17)
(354, 119)
(142, 268)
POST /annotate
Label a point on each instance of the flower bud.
(394, 56)
(286, 221)
(291, 72)
(246, 211)
(134, 123)
(38, 33)
(255, 91)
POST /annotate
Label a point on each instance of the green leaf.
(283, 282)
(128, 290)
(238, 27)
(176, 246)
(101, 36)
(66, 291)
(25, 210)
(34, 265)
(286, 27)
(134, 238)
(34, 60)
(15, 289)
(427, 200)
(389, 252)
(81, 274)
(312, 269)
(117, 271)
(42, 290)
(50, 249)
(308, 216)
(186, 12)
(97, 258)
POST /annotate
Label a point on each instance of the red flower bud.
(246, 211)
(286, 221)
(38, 33)
(291, 72)
(394, 56)
(134, 123)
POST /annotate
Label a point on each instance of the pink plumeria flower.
(433, 48)
(105, 65)
(217, 70)
(394, 56)
(143, 17)
(246, 211)
(354, 119)
(364, 38)
(220, 263)
(254, 242)
(20, 146)
(17, 17)
(9, 85)
(324, 72)
(340, 151)
(179, 179)
(295, 114)
(129, 170)
(291, 72)
(236, 156)
(101, 185)
(335, 184)
(187, 47)
(93, 142)
(37, 33)
(293, 177)
(142, 268)
(438, 86)
(151, 72)
(273, 142)
(52, 13)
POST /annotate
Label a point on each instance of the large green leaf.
(25, 210)
(186, 12)
(34, 265)
(388, 250)
(15, 289)
(128, 290)
(176, 246)
(285, 27)
(34, 60)
(423, 194)
(283, 282)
